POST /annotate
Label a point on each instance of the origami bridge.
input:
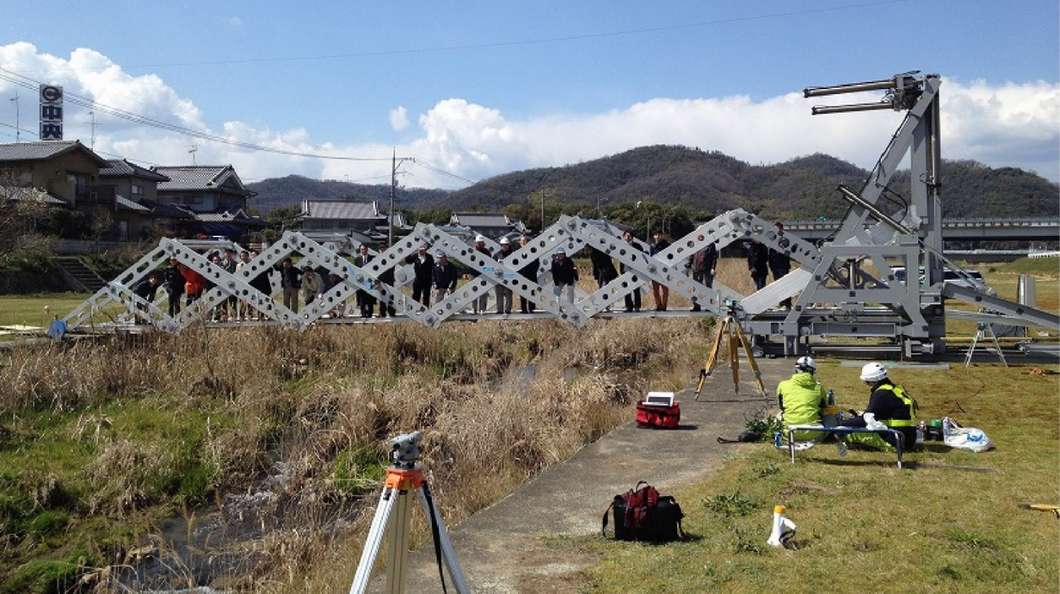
(846, 287)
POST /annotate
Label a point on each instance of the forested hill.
(290, 191)
(706, 181)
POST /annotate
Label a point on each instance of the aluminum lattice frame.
(571, 234)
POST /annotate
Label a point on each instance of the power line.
(427, 165)
(101, 152)
(30, 83)
(525, 42)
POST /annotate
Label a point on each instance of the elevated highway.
(992, 229)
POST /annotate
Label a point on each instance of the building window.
(137, 190)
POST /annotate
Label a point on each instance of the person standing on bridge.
(291, 282)
(174, 282)
(758, 263)
(704, 263)
(632, 299)
(365, 301)
(312, 285)
(480, 302)
(659, 291)
(503, 294)
(564, 277)
(422, 275)
(530, 272)
(444, 276)
(780, 263)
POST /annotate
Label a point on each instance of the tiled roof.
(336, 209)
(126, 204)
(481, 219)
(238, 216)
(171, 211)
(200, 177)
(123, 168)
(19, 193)
(35, 151)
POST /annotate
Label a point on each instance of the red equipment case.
(658, 417)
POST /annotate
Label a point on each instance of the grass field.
(28, 310)
(948, 523)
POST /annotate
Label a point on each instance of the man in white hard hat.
(801, 398)
(890, 405)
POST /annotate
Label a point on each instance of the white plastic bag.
(964, 438)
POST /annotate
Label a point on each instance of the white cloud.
(234, 21)
(1012, 124)
(399, 118)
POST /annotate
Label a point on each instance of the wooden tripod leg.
(712, 357)
(734, 360)
(751, 359)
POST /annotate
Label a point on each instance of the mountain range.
(703, 181)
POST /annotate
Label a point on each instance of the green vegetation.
(950, 522)
(101, 442)
(29, 310)
(701, 181)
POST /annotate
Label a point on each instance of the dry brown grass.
(497, 403)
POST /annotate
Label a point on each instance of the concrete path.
(502, 548)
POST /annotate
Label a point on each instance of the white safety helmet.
(504, 241)
(806, 364)
(873, 372)
(480, 239)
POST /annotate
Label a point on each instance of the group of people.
(434, 278)
(804, 401)
(762, 260)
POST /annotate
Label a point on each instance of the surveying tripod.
(403, 477)
(982, 329)
(731, 329)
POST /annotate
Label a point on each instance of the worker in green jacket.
(801, 398)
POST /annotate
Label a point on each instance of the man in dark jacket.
(603, 267)
(291, 282)
(422, 275)
(365, 300)
(890, 405)
(758, 263)
(632, 299)
(780, 264)
(174, 282)
(444, 276)
(704, 264)
(530, 272)
(386, 277)
(146, 290)
(564, 276)
(503, 294)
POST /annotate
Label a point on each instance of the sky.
(473, 89)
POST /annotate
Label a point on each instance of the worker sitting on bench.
(890, 405)
(801, 398)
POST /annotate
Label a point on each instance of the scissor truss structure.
(846, 287)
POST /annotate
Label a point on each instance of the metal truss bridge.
(846, 287)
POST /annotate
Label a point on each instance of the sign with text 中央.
(51, 112)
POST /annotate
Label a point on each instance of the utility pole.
(92, 144)
(395, 164)
(192, 150)
(18, 118)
